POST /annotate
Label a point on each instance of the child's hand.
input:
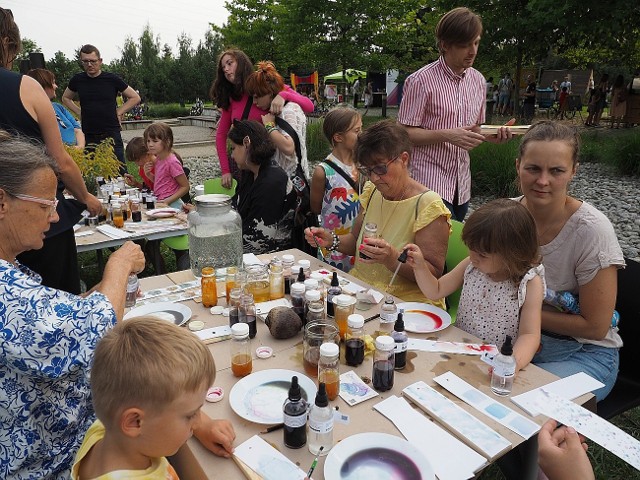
(129, 180)
(414, 256)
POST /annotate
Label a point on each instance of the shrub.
(317, 146)
(493, 169)
(102, 162)
(167, 110)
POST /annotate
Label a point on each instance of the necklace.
(404, 190)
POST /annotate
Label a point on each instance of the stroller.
(197, 108)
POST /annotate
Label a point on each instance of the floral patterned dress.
(340, 207)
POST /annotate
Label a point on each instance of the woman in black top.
(265, 197)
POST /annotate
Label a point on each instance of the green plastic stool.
(456, 252)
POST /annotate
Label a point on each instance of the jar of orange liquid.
(258, 282)
(241, 361)
(344, 306)
(116, 215)
(329, 369)
(209, 290)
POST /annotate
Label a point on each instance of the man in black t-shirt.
(97, 92)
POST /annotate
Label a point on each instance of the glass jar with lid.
(258, 282)
(329, 368)
(215, 233)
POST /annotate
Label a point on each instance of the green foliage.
(317, 146)
(620, 149)
(167, 110)
(493, 169)
(102, 162)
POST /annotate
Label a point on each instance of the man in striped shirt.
(443, 106)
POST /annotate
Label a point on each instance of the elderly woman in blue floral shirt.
(48, 336)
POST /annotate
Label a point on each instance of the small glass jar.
(384, 363)
(329, 368)
(388, 317)
(104, 212)
(315, 334)
(287, 269)
(235, 296)
(297, 299)
(116, 215)
(248, 312)
(318, 277)
(343, 307)
(241, 361)
(314, 307)
(370, 231)
(306, 267)
(231, 281)
(354, 346)
(136, 211)
(151, 202)
(276, 280)
(124, 203)
(258, 282)
(209, 288)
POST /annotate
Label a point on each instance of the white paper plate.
(376, 456)
(162, 212)
(172, 312)
(424, 317)
(259, 397)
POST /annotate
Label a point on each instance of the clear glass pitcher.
(215, 233)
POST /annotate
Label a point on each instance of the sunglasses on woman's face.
(379, 170)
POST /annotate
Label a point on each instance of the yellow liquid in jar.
(260, 291)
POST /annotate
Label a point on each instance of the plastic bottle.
(354, 346)
(388, 317)
(132, 290)
(563, 300)
(333, 291)
(295, 417)
(276, 280)
(504, 369)
(209, 288)
(287, 265)
(297, 299)
(322, 287)
(314, 308)
(329, 368)
(241, 362)
(321, 424)
(383, 363)
(248, 311)
(402, 340)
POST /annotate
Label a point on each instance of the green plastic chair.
(214, 185)
(456, 252)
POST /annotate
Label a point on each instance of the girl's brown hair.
(44, 77)
(136, 149)
(222, 90)
(506, 228)
(160, 131)
(339, 120)
(9, 30)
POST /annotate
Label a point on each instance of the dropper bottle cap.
(334, 280)
(507, 348)
(321, 397)
(399, 325)
(294, 390)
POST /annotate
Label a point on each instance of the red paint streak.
(436, 318)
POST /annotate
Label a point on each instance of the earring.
(246, 141)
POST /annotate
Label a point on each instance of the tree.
(63, 68)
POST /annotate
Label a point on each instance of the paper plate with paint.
(424, 317)
(162, 212)
(376, 456)
(259, 397)
(172, 312)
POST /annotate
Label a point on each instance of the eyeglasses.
(379, 170)
(43, 201)
(89, 62)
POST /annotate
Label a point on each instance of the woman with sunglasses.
(403, 210)
(27, 111)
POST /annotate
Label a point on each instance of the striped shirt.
(436, 98)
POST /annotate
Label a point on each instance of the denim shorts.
(564, 357)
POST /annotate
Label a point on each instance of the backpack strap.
(343, 174)
(247, 108)
(286, 126)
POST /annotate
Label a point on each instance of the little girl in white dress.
(502, 279)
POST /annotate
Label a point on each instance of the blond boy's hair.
(147, 363)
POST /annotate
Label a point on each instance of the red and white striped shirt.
(436, 98)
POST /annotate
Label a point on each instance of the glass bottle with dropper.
(504, 369)
(295, 417)
(321, 423)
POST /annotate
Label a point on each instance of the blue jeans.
(566, 357)
(458, 212)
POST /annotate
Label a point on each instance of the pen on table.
(314, 463)
(372, 317)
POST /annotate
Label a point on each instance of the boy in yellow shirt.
(148, 382)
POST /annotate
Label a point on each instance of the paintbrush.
(401, 259)
(315, 462)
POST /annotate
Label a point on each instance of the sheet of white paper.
(250, 259)
(353, 390)
(266, 461)
(487, 405)
(450, 347)
(113, 232)
(590, 425)
(84, 234)
(436, 444)
(263, 308)
(486, 440)
(569, 387)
